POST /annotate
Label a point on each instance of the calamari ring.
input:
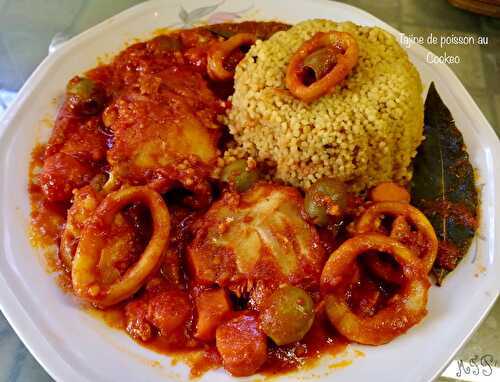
(218, 53)
(85, 201)
(346, 59)
(367, 223)
(84, 276)
(403, 310)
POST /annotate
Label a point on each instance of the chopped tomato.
(169, 310)
(242, 344)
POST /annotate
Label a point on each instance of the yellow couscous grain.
(366, 131)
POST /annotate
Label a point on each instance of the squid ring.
(347, 57)
(403, 310)
(86, 283)
(367, 223)
(85, 201)
(218, 52)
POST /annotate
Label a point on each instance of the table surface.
(27, 28)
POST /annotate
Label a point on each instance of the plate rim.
(34, 339)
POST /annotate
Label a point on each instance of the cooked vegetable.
(169, 310)
(326, 199)
(443, 185)
(85, 95)
(240, 175)
(389, 192)
(242, 344)
(213, 307)
(289, 315)
(164, 310)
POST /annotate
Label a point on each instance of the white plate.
(73, 346)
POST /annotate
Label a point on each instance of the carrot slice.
(242, 344)
(213, 307)
(389, 192)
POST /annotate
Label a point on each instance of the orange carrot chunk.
(242, 344)
(213, 307)
(389, 192)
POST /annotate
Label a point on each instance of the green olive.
(288, 316)
(81, 87)
(85, 95)
(324, 193)
(238, 174)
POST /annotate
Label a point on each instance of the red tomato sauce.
(86, 146)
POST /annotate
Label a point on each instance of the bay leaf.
(443, 185)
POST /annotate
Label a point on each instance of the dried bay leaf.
(443, 185)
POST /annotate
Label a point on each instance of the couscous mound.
(366, 131)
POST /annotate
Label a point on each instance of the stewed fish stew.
(253, 195)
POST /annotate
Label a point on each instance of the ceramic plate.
(74, 346)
